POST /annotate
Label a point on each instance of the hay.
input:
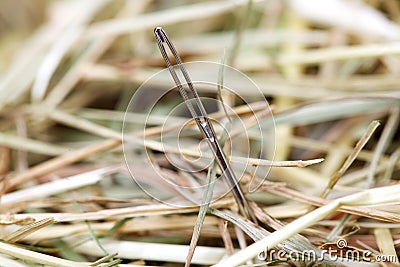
(69, 69)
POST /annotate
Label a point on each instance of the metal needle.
(202, 121)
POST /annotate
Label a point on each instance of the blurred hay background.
(69, 68)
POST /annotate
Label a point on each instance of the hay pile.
(329, 70)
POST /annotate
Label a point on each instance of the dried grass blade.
(255, 233)
(104, 259)
(145, 251)
(368, 197)
(238, 33)
(162, 147)
(134, 225)
(170, 16)
(209, 189)
(394, 158)
(388, 131)
(341, 53)
(207, 198)
(291, 72)
(82, 124)
(127, 117)
(36, 257)
(385, 243)
(96, 47)
(58, 162)
(52, 60)
(236, 111)
(226, 237)
(338, 108)
(68, 14)
(26, 144)
(27, 229)
(362, 211)
(51, 188)
(137, 211)
(350, 159)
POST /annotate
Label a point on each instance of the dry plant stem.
(330, 69)
(26, 230)
(26, 144)
(96, 129)
(206, 200)
(75, 73)
(360, 175)
(236, 111)
(350, 159)
(226, 96)
(368, 197)
(104, 259)
(338, 229)
(13, 181)
(213, 43)
(146, 250)
(394, 158)
(166, 17)
(292, 72)
(121, 116)
(82, 124)
(385, 243)
(90, 127)
(238, 34)
(271, 85)
(134, 225)
(341, 53)
(319, 146)
(337, 108)
(70, 80)
(226, 237)
(118, 213)
(52, 60)
(344, 138)
(362, 224)
(388, 132)
(316, 201)
(158, 146)
(31, 54)
(36, 257)
(92, 53)
(241, 238)
(22, 157)
(335, 178)
(253, 231)
(51, 188)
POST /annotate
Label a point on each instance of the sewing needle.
(202, 121)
